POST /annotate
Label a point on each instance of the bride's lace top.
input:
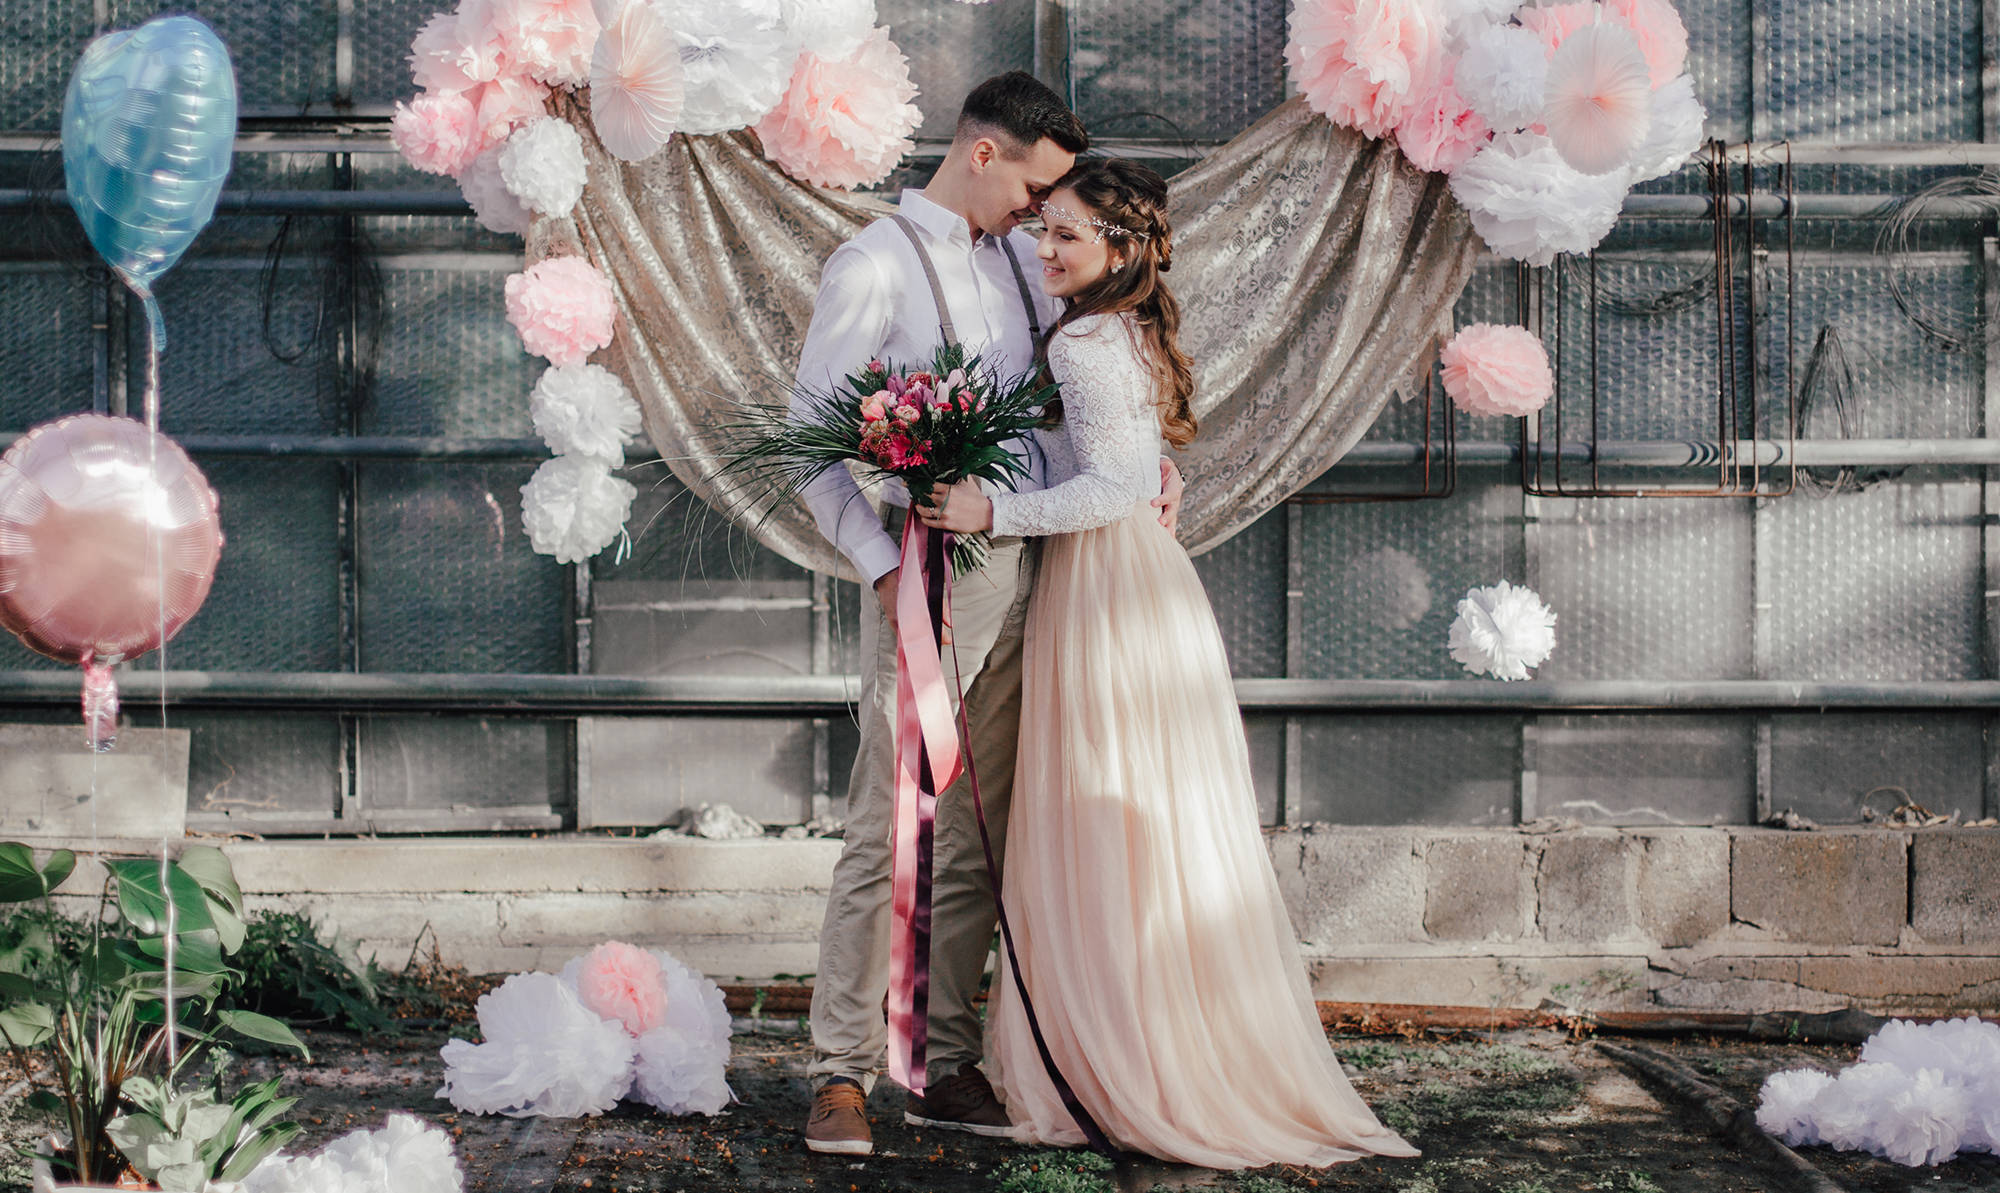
(1104, 458)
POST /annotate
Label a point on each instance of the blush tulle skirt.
(1155, 945)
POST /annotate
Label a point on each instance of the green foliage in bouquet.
(938, 424)
(100, 1001)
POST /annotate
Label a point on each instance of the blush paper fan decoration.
(1503, 74)
(844, 122)
(1503, 631)
(833, 29)
(1497, 369)
(736, 60)
(542, 165)
(1528, 204)
(1674, 132)
(563, 309)
(637, 91)
(1599, 99)
(584, 410)
(572, 507)
(1360, 62)
(405, 1154)
(1440, 131)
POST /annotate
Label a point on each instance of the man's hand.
(1169, 500)
(885, 595)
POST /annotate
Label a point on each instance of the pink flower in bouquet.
(894, 384)
(874, 409)
(917, 394)
(438, 134)
(908, 413)
(619, 981)
(876, 366)
(844, 122)
(875, 428)
(1442, 130)
(900, 451)
(562, 308)
(968, 401)
(1497, 369)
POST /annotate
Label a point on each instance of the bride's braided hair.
(1124, 194)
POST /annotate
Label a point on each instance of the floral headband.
(1104, 227)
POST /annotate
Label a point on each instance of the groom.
(955, 245)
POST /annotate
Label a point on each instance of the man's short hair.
(1024, 110)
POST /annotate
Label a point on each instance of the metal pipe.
(833, 695)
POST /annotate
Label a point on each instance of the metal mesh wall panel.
(677, 537)
(45, 355)
(450, 364)
(40, 41)
(1201, 69)
(1245, 579)
(383, 30)
(1871, 72)
(1880, 585)
(459, 763)
(257, 767)
(1645, 769)
(1828, 766)
(282, 49)
(1383, 580)
(448, 582)
(1408, 770)
(275, 602)
(1719, 52)
(951, 47)
(1647, 589)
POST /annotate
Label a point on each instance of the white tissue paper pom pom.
(1847, 1112)
(829, 28)
(1464, 19)
(544, 1053)
(406, 1155)
(1924, 1122)
(683, 1063)
(1502, 630)
(736, 59)
(1785, 1104)
(1502, 74)
(493, 205)
(1675, 132)
(572, 507)
(1388, 587)
(1528, 204)
(1965, 1050)
(584, 410)
(542, 165)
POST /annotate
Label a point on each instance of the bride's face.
(1073, 254)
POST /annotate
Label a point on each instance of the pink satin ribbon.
(927, 762)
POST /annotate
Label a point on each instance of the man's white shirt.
(875, 304)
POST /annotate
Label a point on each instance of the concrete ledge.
(1839, 886)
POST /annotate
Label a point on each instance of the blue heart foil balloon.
(148, 129)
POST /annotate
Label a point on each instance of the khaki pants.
(850, 1033)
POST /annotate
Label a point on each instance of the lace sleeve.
(1109, 418)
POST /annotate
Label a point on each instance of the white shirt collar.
(938, 220)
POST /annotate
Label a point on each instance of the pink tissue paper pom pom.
(1555, 22)
(456, 51)
(1441, 130)
(1662, 37)
(562, 308)
(506, 104)
(1359, 62)
(547, 40)
(1492, 368)
(844, 122)
(622, 982)
(437, 134)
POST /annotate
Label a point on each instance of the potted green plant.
(126, 1011)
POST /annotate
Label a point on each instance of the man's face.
(1007, 189)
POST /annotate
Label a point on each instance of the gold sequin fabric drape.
(1315, 266)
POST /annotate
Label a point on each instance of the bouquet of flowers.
(940, 423)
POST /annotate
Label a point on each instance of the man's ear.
(984, 151)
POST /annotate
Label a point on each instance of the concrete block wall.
(1646, 918)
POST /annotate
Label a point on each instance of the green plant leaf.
(22, 880)
(210, 868)
(262, 1027)
(27, 1024)
(229, 926)
(45, 1100)
(253, 1150)
(143, 902)
(196, 952)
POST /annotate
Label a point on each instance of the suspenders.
(945, 327)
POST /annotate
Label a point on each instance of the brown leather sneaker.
(963, 1101)
(838, 1124)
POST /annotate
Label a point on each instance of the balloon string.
(156, 342)
(156, 338)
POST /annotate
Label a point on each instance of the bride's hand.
(961, 508)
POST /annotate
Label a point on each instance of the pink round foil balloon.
(108, 541)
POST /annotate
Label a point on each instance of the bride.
(1147, 918)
